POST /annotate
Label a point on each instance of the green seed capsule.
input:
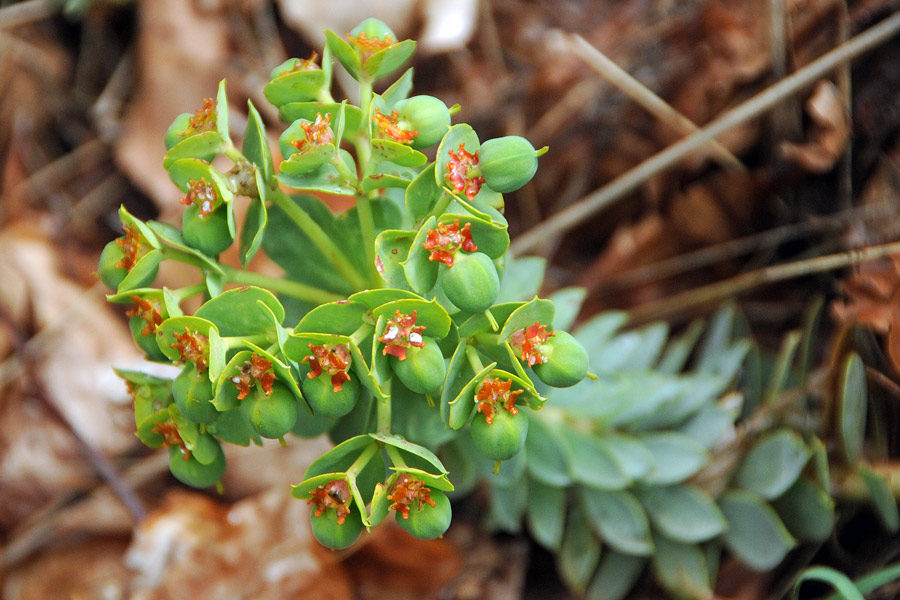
(147, 343)
(271, 416)
(320, 394)
(427, 115)
(193, 394)
(507, 163)
(471, 283)
(427, 522)
(176, 131)
(193, 473)
(108, 270)
(503, 438)
(567, 361)
(208, 234)
(337, 537)
(423, 370)
(373, 28)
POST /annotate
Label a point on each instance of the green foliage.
(404, 330)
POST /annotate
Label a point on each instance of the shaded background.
(88, 89)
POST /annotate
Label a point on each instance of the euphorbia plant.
(388, 313)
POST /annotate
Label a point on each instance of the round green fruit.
(337, 537)
(427, 115)
(507, 163)
(567, 361)
(428, 522)
(373, 28)
(503, 438)
(423, 370)
(472, 283)
(147, 342)
(109, 271)
(325, 402)
(193, 394)
(271, 416)
(176, 131)
(208, 234)
(193, 473)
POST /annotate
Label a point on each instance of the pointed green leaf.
(755, 533)
(683, 513)
(545, 513)
(236, 312)
(522, 279)
(676, 455)
(852, 403)
(881, 497)
(579, 553)
(592, 464)
(783, 448)
(681, 569)
(616, 576)
(619, 519)
(807, 510)
(549, 456)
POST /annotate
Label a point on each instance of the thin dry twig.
(652, 103)
(51, 176)
(26, 12)
(728, 288)
(665, 159)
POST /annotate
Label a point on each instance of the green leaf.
(185, 170)
(350, 121)
(226, 393)
(677, 457)
(142, 269)
(283, 372)
(397, 153)
(256, 144)
(424, 453)
(579, 553)
(545, 513)
(380, 506)
(375, 298)
(846, 589)
(222, 113)
(522, 279)
(592, 464)
(681, 569)
(537, 310)
(616, 576)
(632, 456)
(217, 350)
(340, 318)
(236, 312)
(852, 403)
(783, 448)
(781, 371)
(430, 315)
(324, 178)
(339, 458)
(165, 332)
(479, 323)
(549, 457)
(389, 59)
(568, 303)
(203, 146)
(683, 513)
(619, 519)
(295, 87)
(380, 181)
(399, 90)
(421, 272)
(755, 533)
(422, 194)
(881, 497)
(491, 238)
(462, 407)
(807, 510)
(391, 249)
(172, 237)
(458, 135)
(254, 224)
(344, 52)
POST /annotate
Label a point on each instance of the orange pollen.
(308, 64)
(203, 194)
(257, 369)
(171, 437)
(147, 311)
(459, 167)
(389, 126)
(407, 492)
(334, 494)
(447, 240)
(131, 244)
(494, 393)
(527, 343)
(194, 347)
(368, 46)
(400, 333)
(318, 133)
(333, 359)
(204, 118)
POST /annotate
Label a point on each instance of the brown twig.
(665, 159)
(26, 12)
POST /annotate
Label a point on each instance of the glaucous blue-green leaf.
(522, 279)
(236, 312)
(397, 91)
(710, 424)
(881, 498)
(681, 569)
(295, 87)
(852, 403)
(389, 59)
(598, 330)
(535, 311)
(165, 333)
(616, 576)
(549, 457)
(632, 456)
(202, 146)
(784, 361)
(545, 513)
(682, 513)
(422, 194)
(491, 238)
(458, 135)
(619, 519)
(429, 314)
(633, 350)
(700, 390)
(807, 510)
(414, 419)
(676, 455)
(784, 448)
(594, 465)
(755, 534)
(391, 251)
(679, 349)
(717, 339)
(254, 224)
(341, 318)
(578, 554)
(414, 449)
(508, 505)
(568, 303)
(421, 272)
(397, 153)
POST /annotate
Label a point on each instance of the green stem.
(474, 359)
(363, 204)
(360, 463)
(395, 456)
(232, 342)
(490, 317)
(362, 332)
(185, 257)
(383, 416)
(319, 238)
(233, 153)
(181, 294)
(287, 287)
